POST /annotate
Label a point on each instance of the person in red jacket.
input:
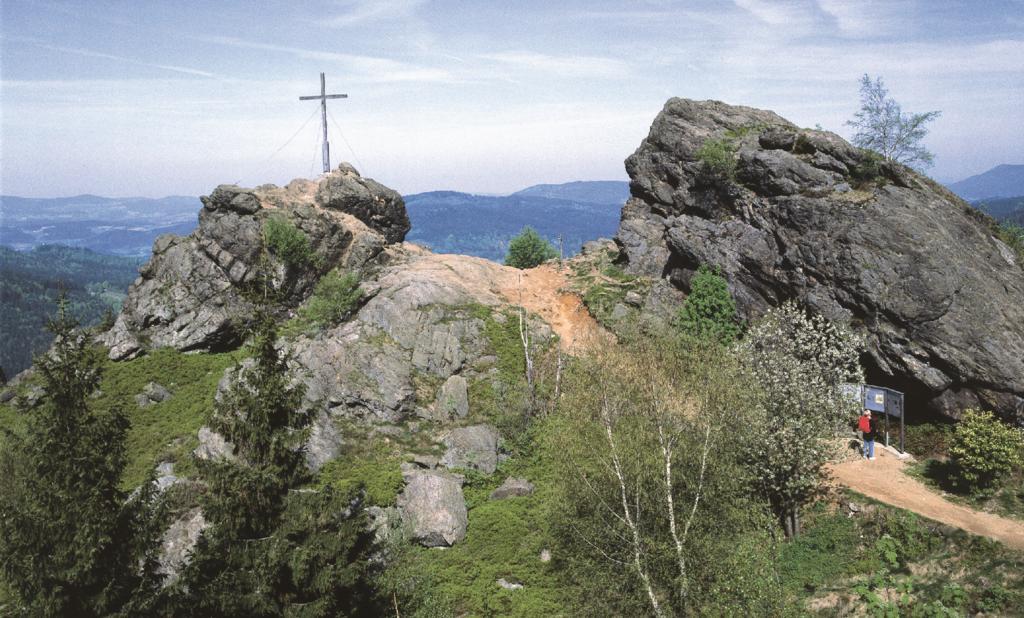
(866, 425)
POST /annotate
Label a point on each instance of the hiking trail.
(885, 479)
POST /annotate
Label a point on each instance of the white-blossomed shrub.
(800, 363)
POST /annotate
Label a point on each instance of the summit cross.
(323, 96)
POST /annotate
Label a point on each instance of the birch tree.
(646, 439)
(882, 126)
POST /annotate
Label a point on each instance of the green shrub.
(1013, 235)
(868, 170)
(984, 450)
(335, 297)
(284, 240)
(718, 157)
(529, 249)
(928, 440)
(709, 312)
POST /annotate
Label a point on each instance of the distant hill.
(481, 225)
(29, 285)
(1009, 209)
(593, 191)
(1000, 181)
(117, 226)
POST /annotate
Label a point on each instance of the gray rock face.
(371, 202)
(189, 295)
(177, 543)
(513, 487)
(453, 399)
(213, 446)
(152, 393)
(473, 447)
(899, 257)
(433, 507)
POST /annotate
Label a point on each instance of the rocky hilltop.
(422, 337)
(791, 213)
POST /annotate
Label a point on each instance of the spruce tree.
(271, 548)
(70, 538)
(529, 249)
(709, 311)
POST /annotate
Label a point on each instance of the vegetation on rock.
(718, 157)
(882, 126)
(286, 241)
(529, 249)
(709, 311)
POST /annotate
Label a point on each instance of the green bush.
(1013, 235)
(868, 170)
(718, 157)
(928, 440)
(334, 298)
(287, 242)
(984, 450)
(709, 312)
(529, 249)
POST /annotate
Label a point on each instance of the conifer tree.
(70, 538)
(709, 311)
(271, 550)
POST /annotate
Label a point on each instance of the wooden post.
(323, 96)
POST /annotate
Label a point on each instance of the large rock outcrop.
(190, 295)
(806, 216)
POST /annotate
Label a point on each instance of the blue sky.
(156, 98)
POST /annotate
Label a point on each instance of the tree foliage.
(984, 450)
(271, 550)
(71, 541)
(709, 311)
(529, 249)
(658, 516)
(800, 364)
(881, 125)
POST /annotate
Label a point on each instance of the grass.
(375, 467)
(504, 540)
(164, 431)
(851, 564)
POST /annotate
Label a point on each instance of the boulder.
(433, 507)
(152, 393)
(808, 217)
(165, 477)
(177, 543)
(513, 487)
(213, 446)
(473, 447)
(510, 583)
(453, 399)
(379, 207)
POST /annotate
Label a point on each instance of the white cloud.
(371, 68)
(575, 66)
(776, 12)
(362, 11)
(79, 51)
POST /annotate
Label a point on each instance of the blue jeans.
(869, 447)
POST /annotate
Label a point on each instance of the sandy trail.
(540, 290)
(885, 480)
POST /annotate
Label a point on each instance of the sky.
(147, 98)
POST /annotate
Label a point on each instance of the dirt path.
(540, 290)
(885, 480)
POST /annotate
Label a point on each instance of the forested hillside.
(29, 285)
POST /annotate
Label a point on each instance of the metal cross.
(323, 96)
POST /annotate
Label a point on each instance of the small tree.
(657, 517)
(801, 364)
(709, 312)
(529, 249)
(270, 550)
(882, 126)
(71, 540)
(984, 450)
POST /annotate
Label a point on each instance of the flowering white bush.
(801, 363)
